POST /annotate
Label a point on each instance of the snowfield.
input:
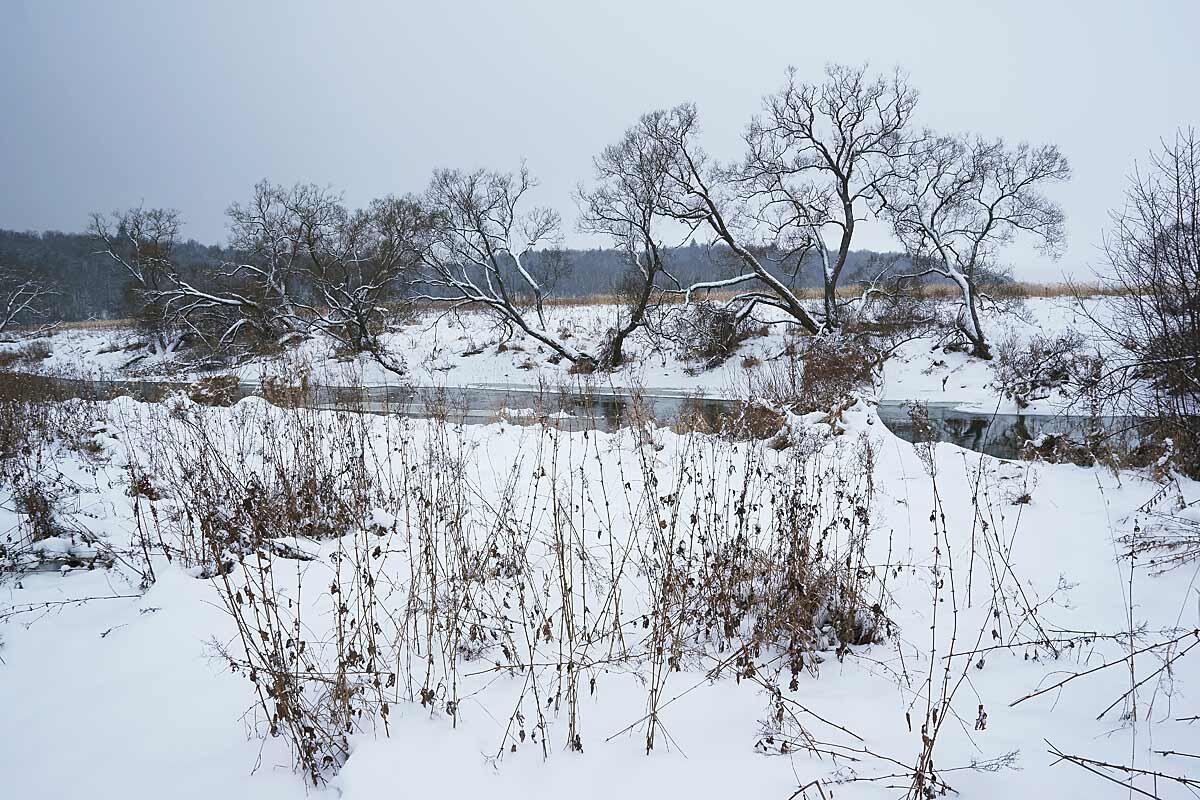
(132, 694)
(528, 611)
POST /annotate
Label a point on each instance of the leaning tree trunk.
(968, 321)
(613, 356)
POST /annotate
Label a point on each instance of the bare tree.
(483, 250)
(140, 242)
(300, 261)
(218, 305)
(958, 200)
(1153, 255)
(24, 300)
(702, 195)
(820, 154)
(224, 306)
(358, 266)
(628, 205)
(272, 236)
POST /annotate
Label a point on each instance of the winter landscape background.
(535, 401)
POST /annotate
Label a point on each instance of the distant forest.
(90, 287)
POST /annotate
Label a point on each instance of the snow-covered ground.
(922, 371)
(997, 579)
(464, 349)
(124, 696)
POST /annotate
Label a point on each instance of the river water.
(999, 435)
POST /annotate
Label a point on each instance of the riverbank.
(468, 349)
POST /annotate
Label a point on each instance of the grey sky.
(109, 104)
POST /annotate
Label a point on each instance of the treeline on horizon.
(89, 287)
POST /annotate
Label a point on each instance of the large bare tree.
(484, 250)
(820, 154)
(219, 305)
(298, 261)
(702, 195)
(271, 237)
(356, 268)
(628, 204)
(958, 200)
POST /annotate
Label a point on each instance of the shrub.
(1160, 445)
(27, 354)
(215, 390)
(1034, 369)
(706, 332)
(895, 314)
(38, 422)
(817, 374)
(35, 351)
(1153, 272)
(288, 385)
(755, 421)
(584, 366)
(1054, 449)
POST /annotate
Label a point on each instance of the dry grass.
(719, 557)
(90, 325)
(426, 563)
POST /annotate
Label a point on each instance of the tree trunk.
(969, 321)
(613, 356)
(831, 309)
(833, 273)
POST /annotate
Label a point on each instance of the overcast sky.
(104, 105)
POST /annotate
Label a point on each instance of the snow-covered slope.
(123, 696)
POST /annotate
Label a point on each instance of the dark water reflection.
(570, 408)
(1005, 435)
